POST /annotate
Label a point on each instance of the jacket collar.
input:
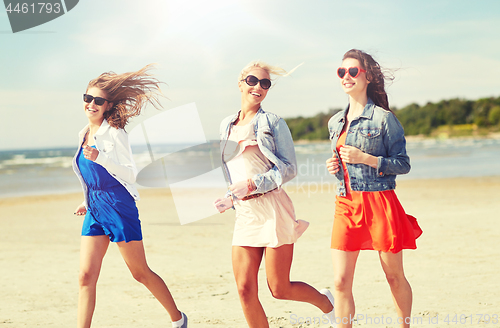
(102, 129)
(235, 117)
(367, 111)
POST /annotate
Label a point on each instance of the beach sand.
(454, 272)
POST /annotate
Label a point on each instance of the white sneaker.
(184, 324)
(331, 314)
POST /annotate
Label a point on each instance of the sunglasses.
(253, 81)
(353, 71)
(97, 100)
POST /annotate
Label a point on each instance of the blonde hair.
(271, 70)
(129, 93)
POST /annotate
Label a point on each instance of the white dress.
(268, 220)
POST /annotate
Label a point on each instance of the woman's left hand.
(222, 204)
(351, 155)
(242, 188)
(90, 153)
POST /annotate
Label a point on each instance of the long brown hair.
(128, 92)
(374, 74)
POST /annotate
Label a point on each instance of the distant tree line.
(468, 115)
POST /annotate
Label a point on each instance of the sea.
(49, 171)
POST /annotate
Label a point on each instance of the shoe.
(331, 314)
(185, 324)
(185, 320)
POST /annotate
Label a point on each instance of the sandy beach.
(454, 272)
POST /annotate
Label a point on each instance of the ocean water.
(429, 158)
(49, 171)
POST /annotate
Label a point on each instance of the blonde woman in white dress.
(258, 159)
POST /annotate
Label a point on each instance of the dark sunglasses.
(98, 100)
(253, 80)
(353, 71)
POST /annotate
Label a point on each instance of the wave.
(21, 160)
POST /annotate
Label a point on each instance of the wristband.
(249, 186)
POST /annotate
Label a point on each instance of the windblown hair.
(271, 70)
(374, 74)
(129, 93)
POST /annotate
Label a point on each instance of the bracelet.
(249, 186)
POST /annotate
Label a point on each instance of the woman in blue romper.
(107, 172)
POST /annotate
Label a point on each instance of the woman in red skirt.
(369, 150)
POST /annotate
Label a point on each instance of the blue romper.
(111, 209)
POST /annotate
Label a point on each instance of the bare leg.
(135, 258)
(92, 251)
(246, 262)
(278, 264)
(400, 288)
(344, 264)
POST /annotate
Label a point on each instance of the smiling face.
(94, 112)
(253, 95)
(354, 87)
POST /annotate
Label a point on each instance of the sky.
(437, 50)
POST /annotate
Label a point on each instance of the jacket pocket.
(107, 146)
(369, 133)
(369, 139)
(334, 136)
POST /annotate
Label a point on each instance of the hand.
(332, 164)
(352, 155)
(81, 210)
(223, 204)
(90, 153)
(242, 188)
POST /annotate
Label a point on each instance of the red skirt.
(373, 220)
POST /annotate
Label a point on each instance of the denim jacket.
(376, 132)
(275, 142)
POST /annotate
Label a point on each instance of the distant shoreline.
(420, 137)
(492, 135)
(25, 174)
(412, 138)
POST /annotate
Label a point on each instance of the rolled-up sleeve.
(123, 165)
(286, 167)
(396, 161)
